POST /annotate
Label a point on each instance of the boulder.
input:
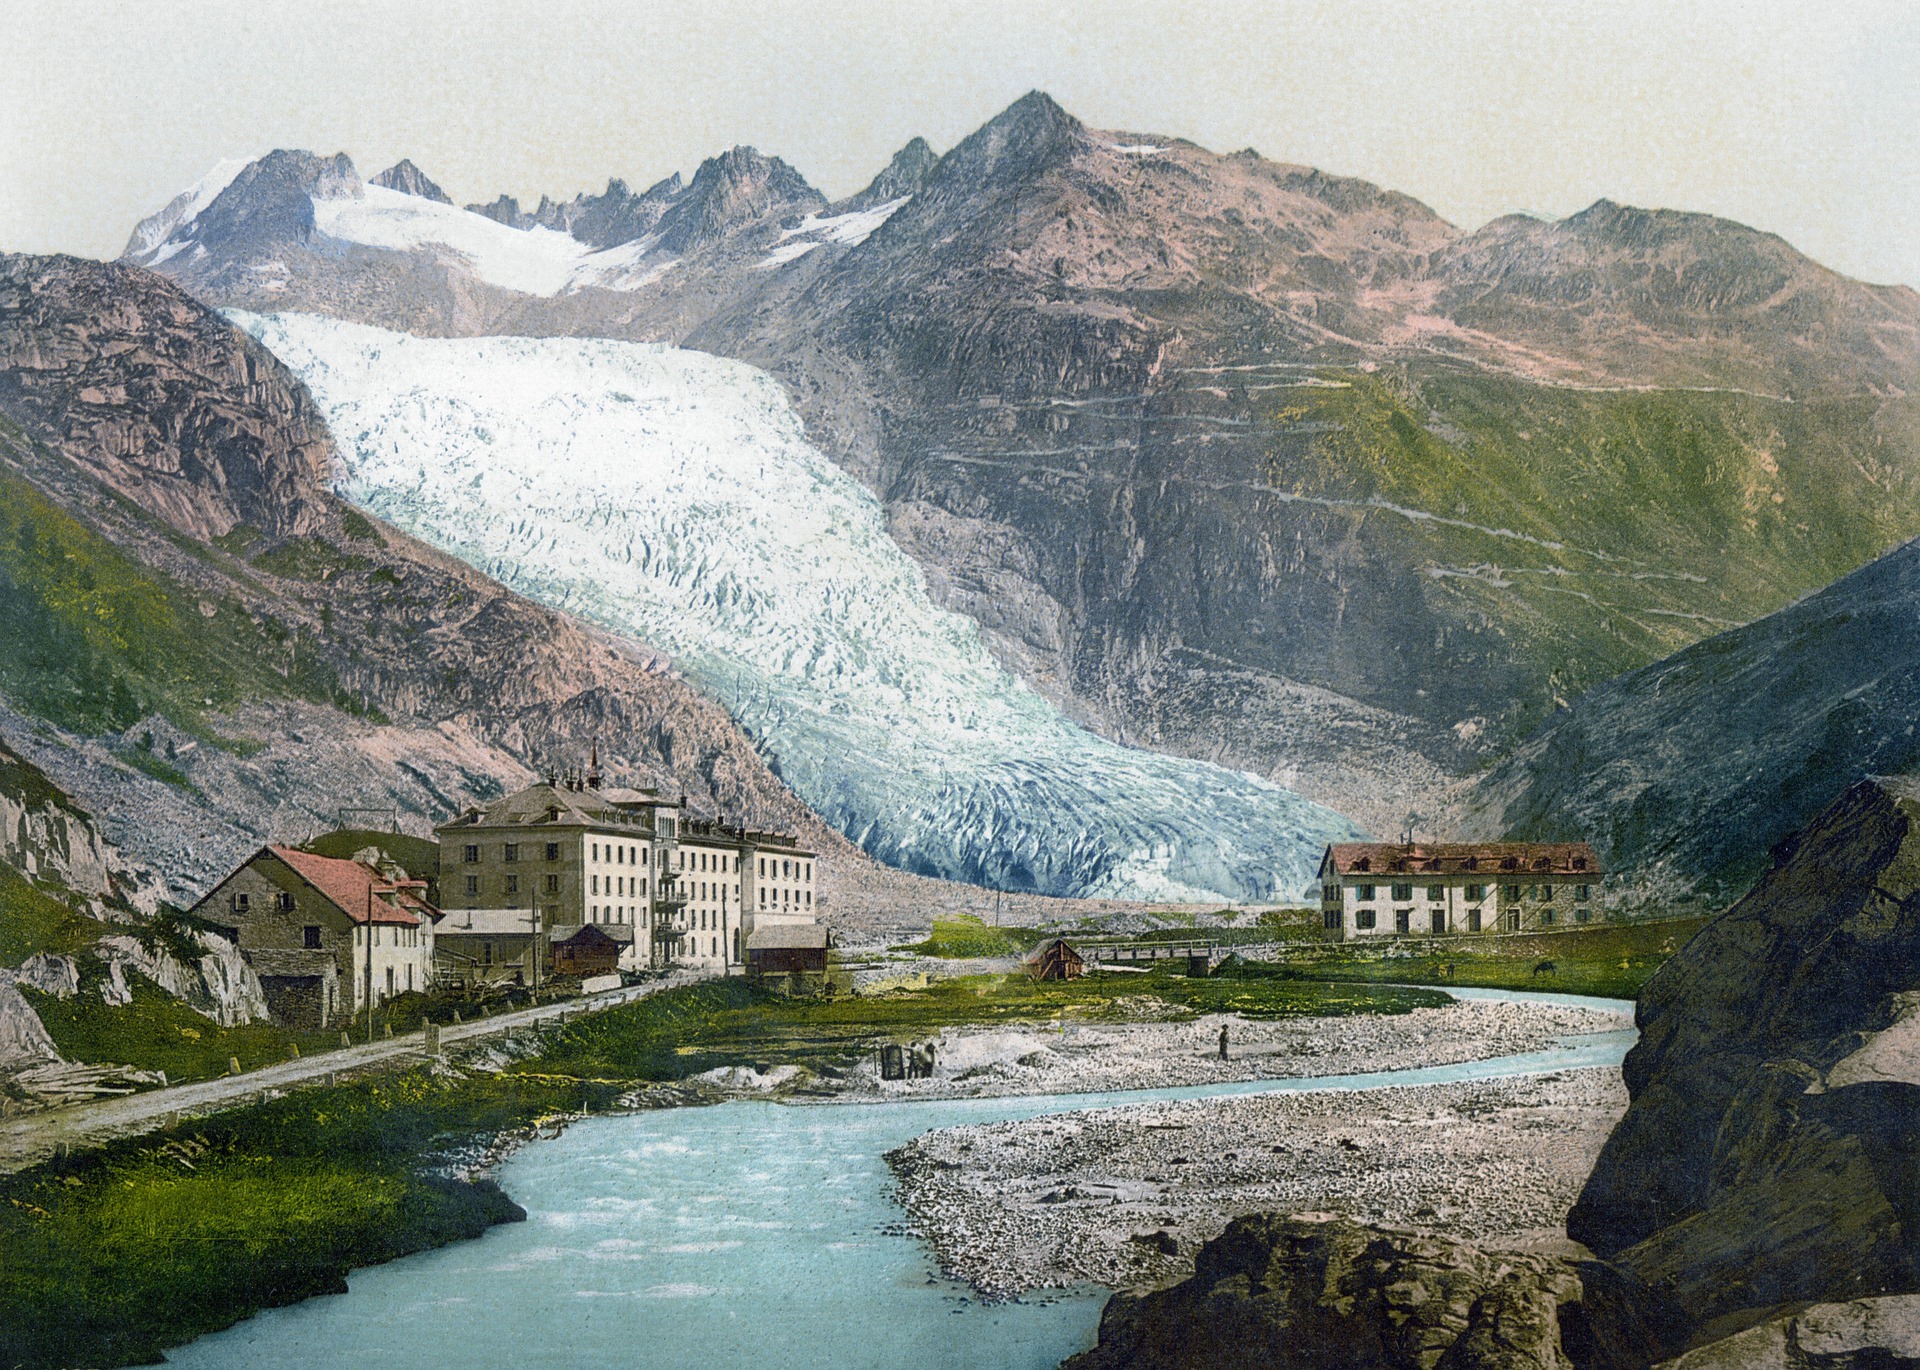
(1769, 1153)
(1315, 1293)
(1864, 1334)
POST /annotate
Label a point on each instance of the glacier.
(672, 496)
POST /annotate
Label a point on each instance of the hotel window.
(240, 903)
(1439, 920)
(1435, 893)
(1546, 915)
(1511, 893)
(1329, 893)
(512, 852)
(1331, 918)
(1363, 918)
(1582, 915)
(473, 884)
(593, 884)
(1364, 894)
(553, 884)
(553, 851)
(472, 853)
(619, 856)
(1546, 891)
(1582, 893)
(1473, 920)
(310, 938)
(1513, 922)
(284, 901)
(513, 884)
(1402, 920)
(1403, 891)
(1476, 892)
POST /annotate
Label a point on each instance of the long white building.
(1384, 889)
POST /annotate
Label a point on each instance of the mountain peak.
(408, 179)
(740, 185)
(1024, 139)
(904, 175)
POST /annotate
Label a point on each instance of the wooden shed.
(1053, 959)
(785, 948)
(589, 951)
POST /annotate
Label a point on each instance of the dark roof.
(550, 805)
(1460, 858)
(785, 936)
(591, 934)
(1048, 947)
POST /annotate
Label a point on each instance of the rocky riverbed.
(1078, 1058)
(1122, 1197)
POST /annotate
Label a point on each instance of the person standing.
(1223, 1041)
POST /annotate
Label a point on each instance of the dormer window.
(1363, 864)
(1509, 863)
(1579, 863)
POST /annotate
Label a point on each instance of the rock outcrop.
(1769, 1154)
(216, 983)
(1315, 1293)
(48, 838)
(1865, 1334)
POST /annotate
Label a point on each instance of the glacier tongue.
(673, 496)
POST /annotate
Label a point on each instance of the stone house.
(1385, 889)
(325, 936)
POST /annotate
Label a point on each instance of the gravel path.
(1086, 1058)
(35, 1136)
(1121, 1197)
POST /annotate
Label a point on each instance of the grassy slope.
(31, 920)
(1675, 514)
(108, 1257)
(96, 641)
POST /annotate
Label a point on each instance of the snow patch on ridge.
(672, 495)
(179, 212)
(532, 261)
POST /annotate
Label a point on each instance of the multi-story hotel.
(528, 871)
(1385, 889)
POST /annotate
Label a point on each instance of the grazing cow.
(1544, 968)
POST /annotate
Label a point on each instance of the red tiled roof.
(1492, 859)
(357, 890)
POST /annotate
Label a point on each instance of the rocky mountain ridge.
(1687, 772)
(1231, 458)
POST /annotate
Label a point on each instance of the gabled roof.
(359, 891)
(1050, 947)
(1491, 859)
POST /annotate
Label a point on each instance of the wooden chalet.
(1054, 959)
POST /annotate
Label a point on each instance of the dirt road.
(34, 1137)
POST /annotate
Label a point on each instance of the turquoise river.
(747, 1234)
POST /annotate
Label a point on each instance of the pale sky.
(1799, 118)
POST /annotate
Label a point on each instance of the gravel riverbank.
(1083, 1058)
(1122, 1197)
